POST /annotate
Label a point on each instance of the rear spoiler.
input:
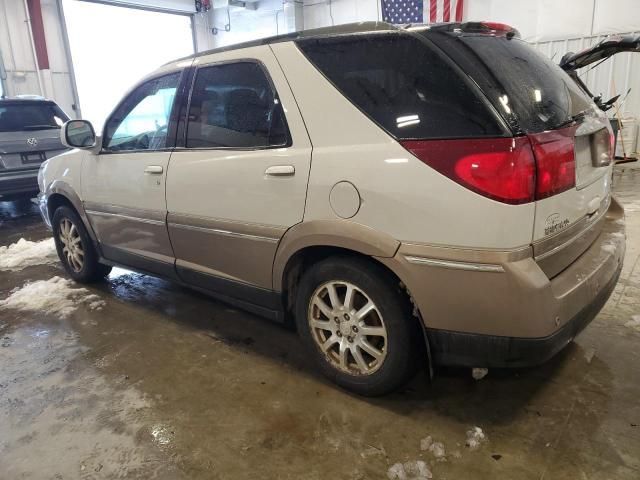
(606, 48)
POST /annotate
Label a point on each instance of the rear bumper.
(497, 309)
(473, 350)
(24, 182)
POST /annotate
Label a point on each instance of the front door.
(239, 180)
(124, 184)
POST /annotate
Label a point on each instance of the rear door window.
(403, 86)
(235, 106)
(23, 117)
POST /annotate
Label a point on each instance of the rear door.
(239, 180)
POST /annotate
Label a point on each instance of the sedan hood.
(601, 51)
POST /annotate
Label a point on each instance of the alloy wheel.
(71, 244)
(348, 327)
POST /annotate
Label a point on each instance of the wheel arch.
(308, 256)
(61, 193)
(309, 243)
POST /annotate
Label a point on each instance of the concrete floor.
(166, 383)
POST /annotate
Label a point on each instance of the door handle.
(280, 171)
(153, 169)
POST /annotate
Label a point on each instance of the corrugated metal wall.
(614, 76)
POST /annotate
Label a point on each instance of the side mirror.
(78, 134)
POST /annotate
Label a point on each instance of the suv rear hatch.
(29, 133)
(570, 137)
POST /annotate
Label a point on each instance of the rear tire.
(75, 248)
(357, 322)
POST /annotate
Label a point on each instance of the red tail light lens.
(555, 161)
(499, 168)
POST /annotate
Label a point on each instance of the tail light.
(509, 170)
(555, 161)
(602, 147)
(499, 168)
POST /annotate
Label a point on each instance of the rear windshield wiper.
(578, 117)
(28, 128)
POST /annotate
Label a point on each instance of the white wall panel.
(318, 13)
(616, 16)
(542, 20)
(247, 24)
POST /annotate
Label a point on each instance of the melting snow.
(479, 373)
(416, 470)
(475, 437)
(25, 253)
(54, 296)
(634, 323)
(436, 448)
(425, 443)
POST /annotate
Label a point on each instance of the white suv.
(438, 193)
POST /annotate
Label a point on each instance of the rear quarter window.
(402, 85)
(529, 85)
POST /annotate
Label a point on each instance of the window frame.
(173, 115)
(181, 145)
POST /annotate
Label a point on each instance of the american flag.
(403, 11)
(422, 11)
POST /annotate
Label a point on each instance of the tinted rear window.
(19, 117)
(540, 94)
(402, 85)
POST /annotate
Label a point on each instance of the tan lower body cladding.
(237, 251)
(516, 299)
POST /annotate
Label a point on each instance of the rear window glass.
(20, 117)
(402, 85)
(540, 94)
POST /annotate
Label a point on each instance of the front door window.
(141, 122)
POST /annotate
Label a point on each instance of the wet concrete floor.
(166, 383)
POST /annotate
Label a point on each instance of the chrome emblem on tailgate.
(33, 141)
(554, 224)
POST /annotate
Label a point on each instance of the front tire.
(357, 322)
(75, 248)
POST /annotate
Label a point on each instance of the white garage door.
(114, 47)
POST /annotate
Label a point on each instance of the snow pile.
(416, 470)
(634, 323)
(25, 253)
(436, 448)
(54, 296)
(475, 437)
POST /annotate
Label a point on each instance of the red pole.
(37, 28)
